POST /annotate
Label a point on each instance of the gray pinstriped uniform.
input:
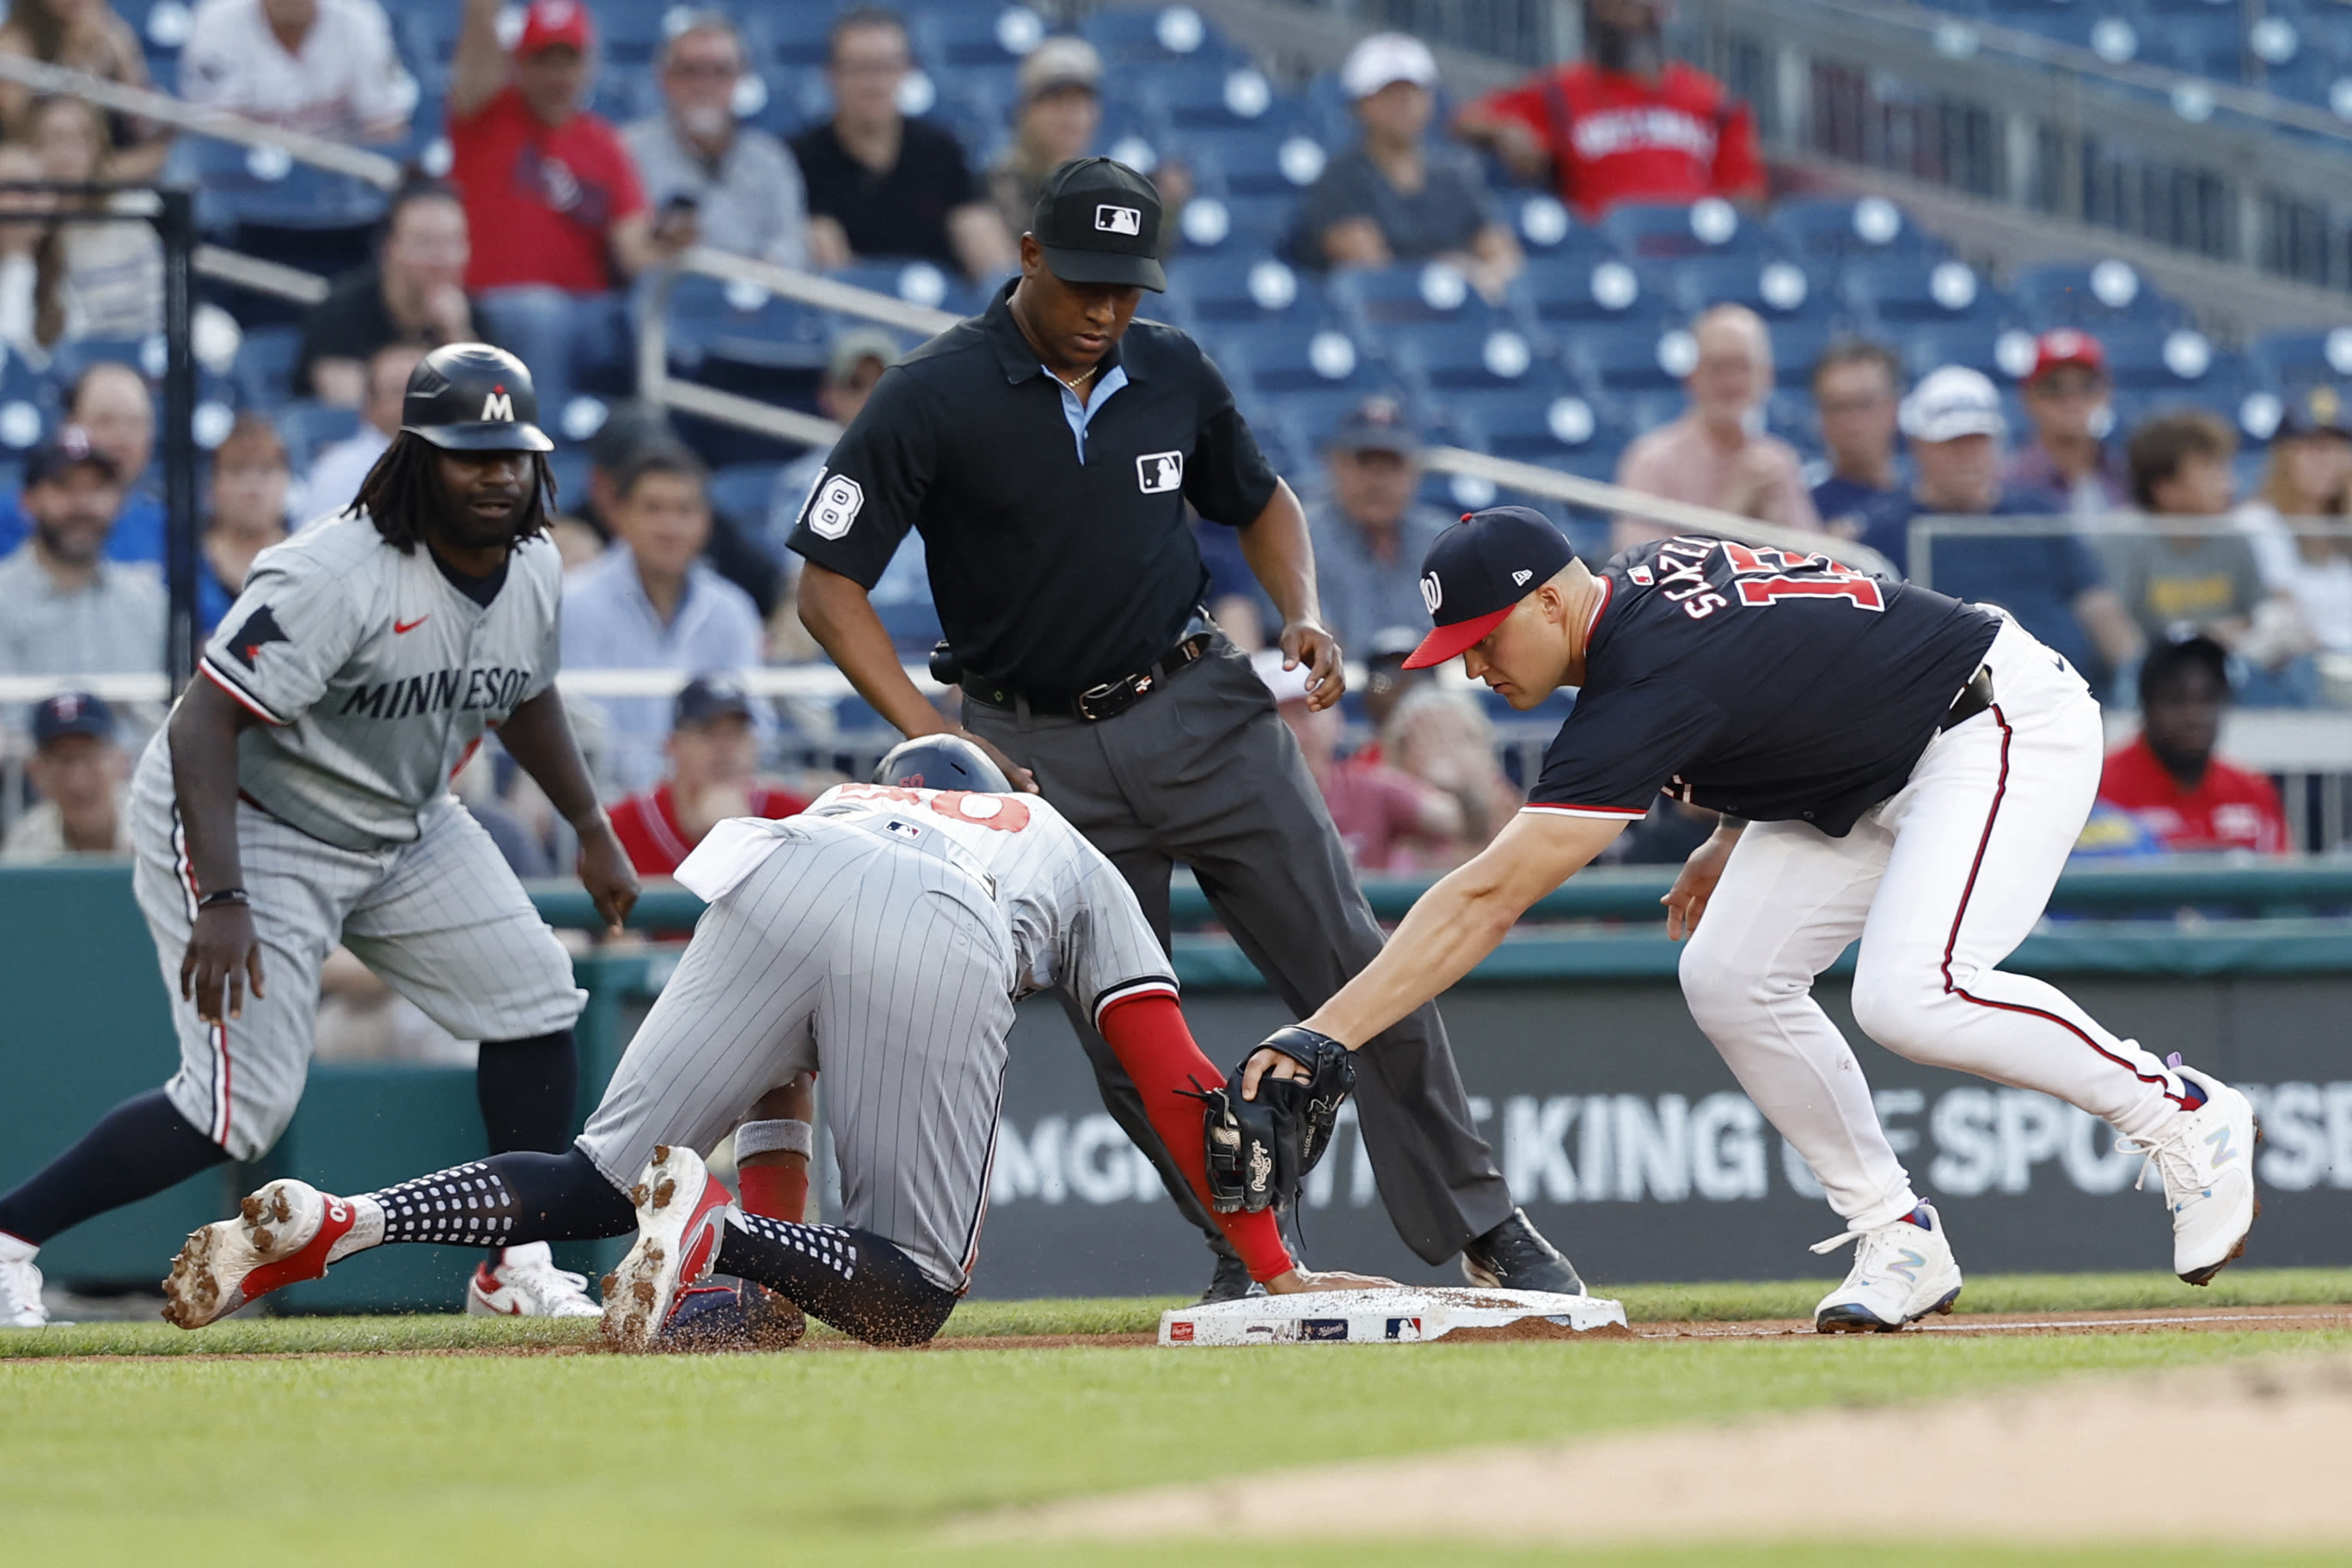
(883, 935)
(374, 678)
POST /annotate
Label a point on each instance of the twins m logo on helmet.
(498, 405)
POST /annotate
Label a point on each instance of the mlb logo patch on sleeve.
(833, 506)
(1157, 473)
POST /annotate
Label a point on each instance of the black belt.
(1096, 703)
(1973, 699)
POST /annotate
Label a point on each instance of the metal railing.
(2210, 168)
(659, 386)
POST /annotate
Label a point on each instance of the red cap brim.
(1452, 641)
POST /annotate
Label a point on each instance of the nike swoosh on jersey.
(399, 626)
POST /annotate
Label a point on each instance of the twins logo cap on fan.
(1479, 570)
(1100, 222)
(471, 397)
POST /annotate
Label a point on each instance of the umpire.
(1047, 451)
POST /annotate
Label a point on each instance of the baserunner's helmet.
(471, 397)
(941, 762)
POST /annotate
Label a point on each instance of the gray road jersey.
(376, 678)
(1073, 919)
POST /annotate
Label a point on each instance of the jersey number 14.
(1768, 577)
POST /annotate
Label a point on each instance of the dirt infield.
(2082, 1459)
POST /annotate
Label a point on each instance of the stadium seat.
(2155, 357)
(264, 374)
(745, 491)
(1838, 228)
(913, 280)
(1233, 288)
(1443, 359)
(1279, 358)
(1254, 160)
(710, 317)
(2294, 359)
(2089, 295)
(309, 427)
(1631, 358)
(1776, 289)
(1156, 35)
(793, 36)
(1797, 346)
(1905, 290)
(958, 38)
(1564, 429)
(1999, 351)
(1572, 288)
(1652, 230)
(1201, 96)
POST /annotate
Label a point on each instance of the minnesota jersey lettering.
(468, 691)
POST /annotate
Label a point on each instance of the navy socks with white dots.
(853, 1279)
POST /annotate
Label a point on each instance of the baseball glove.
(1260, 1149)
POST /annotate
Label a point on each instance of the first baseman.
(883, 935)
(1893, 766)
(298, 797)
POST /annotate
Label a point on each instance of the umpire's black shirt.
(1051, 572)
(1772, 686)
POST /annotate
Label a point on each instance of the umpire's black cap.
(471, 397)
(1098, 221)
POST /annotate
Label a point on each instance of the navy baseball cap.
(1098, 221)
(708, 697)
(72, 713)
(1478, 571)
(68, 449)
(1376, 424)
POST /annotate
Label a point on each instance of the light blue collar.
(1081, 414)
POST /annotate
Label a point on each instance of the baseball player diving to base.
(298, 797)
(1892, 766)
(882, 936)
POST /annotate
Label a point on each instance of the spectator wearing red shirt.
(714, 758)
(556, 215)
(2170, 780)
(1388, 820)
(1625, 126)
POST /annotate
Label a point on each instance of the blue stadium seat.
(793, 36)
(1905, 290)
(711, 319)
(1256, 159)
(1204, 95)
(1378, 298)
(1447, 358)
(1547, 232)
(630, 32)
(1284, 358)
(913, 625)
(1155, 35)
(1776, 289)
(1839, 228)
(1650, 230)
(2294, 359)
(1644, 410)
(1558, 431)
(1796, 346)
(2151, 356)
(307, 428)
(1573, 289)
(1235, 287)
(744, 492)
(1999, 351)
(959, 38)
(237, 185)
(915, 280)
(1790, 413)
(264, 373)
(2089, 295)
(1625, 358)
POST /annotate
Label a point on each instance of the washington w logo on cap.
(1118, 220)
(1433, 592)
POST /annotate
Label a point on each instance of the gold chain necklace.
(1073, 385)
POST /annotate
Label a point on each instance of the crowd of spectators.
(2104, 541)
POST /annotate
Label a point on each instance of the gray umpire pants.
(1204, 771)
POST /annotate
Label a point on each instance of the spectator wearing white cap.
(1394, 196)
(2048, 580)
(1718, 453)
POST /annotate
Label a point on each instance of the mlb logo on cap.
(1478, 571)
(1118, 220)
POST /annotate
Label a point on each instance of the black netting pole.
(176, 223)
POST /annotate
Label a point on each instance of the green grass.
(849, 1457)
(1140, 1314)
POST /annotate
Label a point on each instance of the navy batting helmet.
(471, 397)
(941, 762)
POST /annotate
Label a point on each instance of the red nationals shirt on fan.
(1616, 138)
(2230, 808)
(540, 201)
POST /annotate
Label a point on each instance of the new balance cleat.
(2206, 1157)
(281, 1235)
(1902, 1272)
(680, 1207)
(729, 1314)
(524, 1282)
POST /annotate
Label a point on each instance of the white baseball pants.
(1941, 883)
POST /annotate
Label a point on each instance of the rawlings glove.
(1258, 1150)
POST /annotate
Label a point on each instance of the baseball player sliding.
(298, 796)
(884, 936)
(1892, 765)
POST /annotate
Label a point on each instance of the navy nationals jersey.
(1770, 684)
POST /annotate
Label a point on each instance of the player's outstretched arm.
(539, 737)
(1453, 925)
(224, 955)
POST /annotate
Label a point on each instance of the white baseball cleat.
(2206, 1157)
(1902, 1272)
(680, 1207)
(282, 1233)
(20, 1295)
(524, 1282)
